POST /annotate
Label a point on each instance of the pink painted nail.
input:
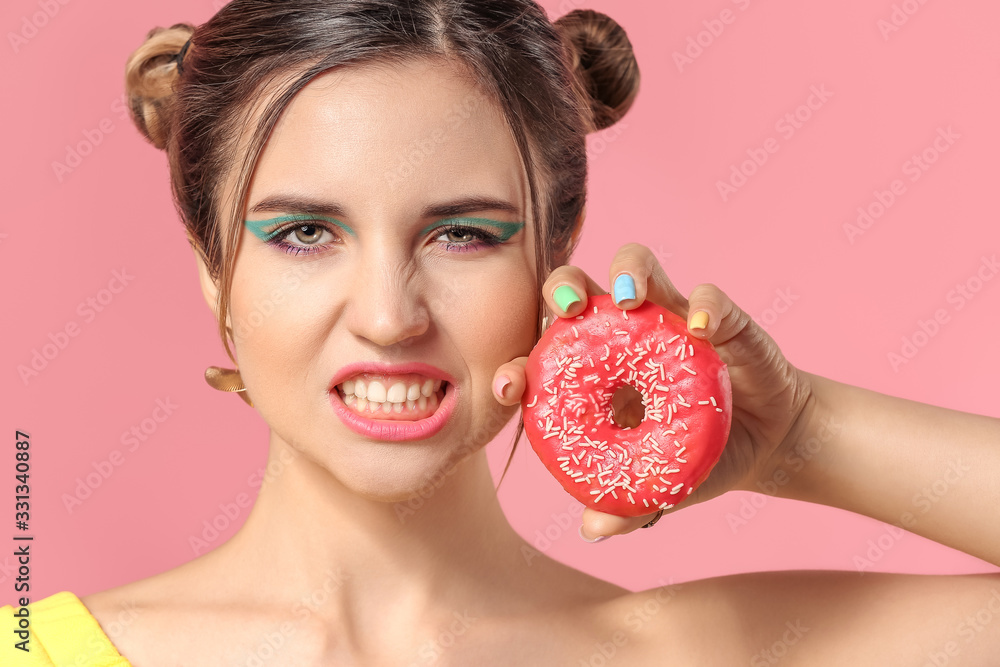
(596, 539)
(499, 384)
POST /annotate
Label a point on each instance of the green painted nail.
(565, 297)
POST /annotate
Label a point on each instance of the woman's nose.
(386, 305)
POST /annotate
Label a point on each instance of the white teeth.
(386, 407)
(362, 404)
(376, 391)
(397, 407)
(422, 402)
(411, 405)
(397, 393)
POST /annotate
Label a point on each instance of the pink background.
(653, 180)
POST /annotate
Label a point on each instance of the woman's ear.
(209, 288)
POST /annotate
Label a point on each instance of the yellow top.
(62, 632)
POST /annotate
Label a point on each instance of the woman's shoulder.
(55, 630)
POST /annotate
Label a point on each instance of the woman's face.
(387, 222)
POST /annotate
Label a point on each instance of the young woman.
(404, 303)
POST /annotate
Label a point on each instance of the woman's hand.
(769, 394)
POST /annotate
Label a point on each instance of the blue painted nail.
(624, 288)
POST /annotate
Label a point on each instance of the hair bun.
(602, 57)
(150, 74)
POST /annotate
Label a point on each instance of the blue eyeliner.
(257, 227)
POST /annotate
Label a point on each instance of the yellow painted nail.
(699, 321)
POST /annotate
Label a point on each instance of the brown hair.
(555, 82)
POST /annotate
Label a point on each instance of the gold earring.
(227, 379)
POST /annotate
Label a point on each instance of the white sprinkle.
(712, 398)
(630, 499)
(718, 409)
(691, 349)
(677, 489)
(684, 366)
(644, 501)
(703, 402)
(625, 313)
(674, 338)
(661, 318)
(690, 489)
(595, 310)
(533, 401)
(620, 332)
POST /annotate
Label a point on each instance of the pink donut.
(573, 373)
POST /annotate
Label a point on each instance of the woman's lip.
(382, 429)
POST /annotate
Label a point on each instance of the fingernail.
(699, 321)
(499, 384)
(624, 288)
(565, 296)
(596, 539)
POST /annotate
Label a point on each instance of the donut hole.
(627, 409)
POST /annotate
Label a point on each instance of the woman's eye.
(308, 234)
(302, 239)
(467, 239)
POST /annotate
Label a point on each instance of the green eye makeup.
(507, 229)
(274, 225)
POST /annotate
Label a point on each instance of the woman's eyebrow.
(299, 204)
